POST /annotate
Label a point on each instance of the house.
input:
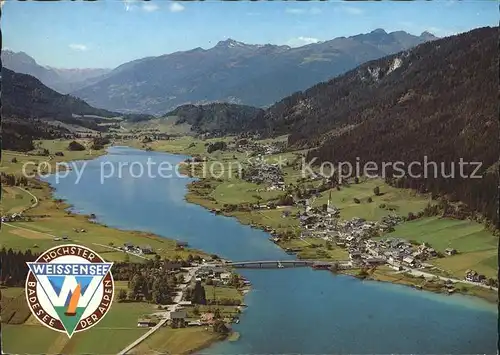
(432, 252)
(471, 275)
(409, 261)
(354, 255)
(185, 303)
(181, 245)
(450, 251)
(207, 318)
(418, 255)
(225, 276)
(181, 314)
(178, 318)
(128, 246)
(145, 322)
(147, 249)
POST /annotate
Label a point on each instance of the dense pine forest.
(13, 267)
(221, 118)
(437, 100)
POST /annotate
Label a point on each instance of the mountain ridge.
(62, 80)
(24, 96)
(235, 72)
(417, 103)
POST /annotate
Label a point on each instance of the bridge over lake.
(274, 264)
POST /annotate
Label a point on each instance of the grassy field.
(160, 125)
(53, 146)
(176, 341)
(315, 248)
(222, 292)
(14, 200)
(477, 246)
(402, 201)
(39, 234)
(113, 333)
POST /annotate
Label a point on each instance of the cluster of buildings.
(248, 145)
(260, 172)
(357, 236)
(473, 276)
(131, 248)
(15, 217)
(217, 275)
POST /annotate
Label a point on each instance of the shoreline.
(192, 196)
(46, 199)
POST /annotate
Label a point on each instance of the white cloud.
(297, 11)
(150, 7)
(352, 10)
(176, 7)
(78, 47)
(294, 11)
(301, 41)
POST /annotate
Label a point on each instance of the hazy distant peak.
(428, 36)
(380, 31)
(19, 56)
(229, 43)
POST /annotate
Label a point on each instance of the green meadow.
(391, 200)
(477, 247)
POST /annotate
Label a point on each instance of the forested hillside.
(438, 100)
(27, 106)
(24, 96)
(221, 118)
(19, 134)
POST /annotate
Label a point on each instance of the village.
(259, 172)
(360, 238)
(194, 306)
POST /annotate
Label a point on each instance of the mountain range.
(31, 110)
(431, 101)
(61, 80)
(231, 71)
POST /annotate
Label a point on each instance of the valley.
(342, 177)
(254, 204)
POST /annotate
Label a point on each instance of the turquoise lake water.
(290, 310)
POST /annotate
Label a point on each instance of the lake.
(290, 310)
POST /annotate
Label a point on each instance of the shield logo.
(69, 288)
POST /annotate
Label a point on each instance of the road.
(120, 250)
(34, 197)
(417, 273)
(166, 316)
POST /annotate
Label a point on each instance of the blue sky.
(108, 33)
